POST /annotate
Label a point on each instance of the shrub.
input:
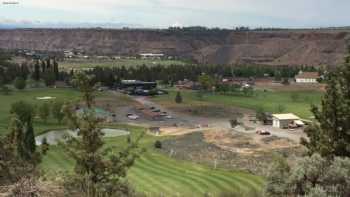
(44, 111)
(5, 90)
(20, 83)
(158, 144)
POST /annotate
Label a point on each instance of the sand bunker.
(45, 98)
(53, 137)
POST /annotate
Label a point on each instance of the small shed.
(284, 120)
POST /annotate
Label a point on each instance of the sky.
(165, 13)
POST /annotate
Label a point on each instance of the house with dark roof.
(307, 77)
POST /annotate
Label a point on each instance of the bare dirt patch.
(231, 150)
(269, 85)
(246, 143)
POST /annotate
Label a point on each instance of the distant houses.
(307, 77)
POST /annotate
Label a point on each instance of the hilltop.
(282, 47)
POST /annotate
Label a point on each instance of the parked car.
(263, 132)
(132, 116)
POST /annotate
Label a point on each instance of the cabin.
(285, 121)
(307, 77)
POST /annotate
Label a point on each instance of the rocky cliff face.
(223, 47)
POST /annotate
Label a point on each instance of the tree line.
(173, 73)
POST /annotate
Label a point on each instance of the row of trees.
(46, 70)
(173, 73)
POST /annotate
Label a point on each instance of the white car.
(133, 116)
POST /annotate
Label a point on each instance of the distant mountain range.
(38, 24)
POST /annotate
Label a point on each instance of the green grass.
(155, 174)
(269, 101)
(91, 63)
(30, 96)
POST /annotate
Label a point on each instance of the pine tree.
(330, 134)
(16, 137)
(29, 139)
(178, 98)
(55, 69)
(36, 74)
(98, 172)
(43, 66)
(48, 64)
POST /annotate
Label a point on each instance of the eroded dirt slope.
(223, 47)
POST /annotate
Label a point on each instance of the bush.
(44, 111)
(281, 108)
(56, 111)
(20, 83)
(233, 123)
(5, 90)
(158, 144)
(285, 81)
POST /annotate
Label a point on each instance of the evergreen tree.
(48, 64)
(20, 83)
(36, 74)
(44, 111)
(57, 112)
(29, 139)
(49, 78)
(23, 111)
(97, 172)
(43, 66)
(55, 69)
(178, 98)
(330, 134)
(17, 137)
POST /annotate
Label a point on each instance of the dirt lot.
(233, 150)
(269, 85)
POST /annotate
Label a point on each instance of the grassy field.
(155, 174)
(91, 63)
(30, 96)
(269, 101)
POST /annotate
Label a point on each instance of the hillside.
(218, 47)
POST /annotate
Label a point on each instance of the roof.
(308, 75)
(289, 116)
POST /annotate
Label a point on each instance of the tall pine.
(36, 74)
(98, 171)
(330, 133)
(29, 139)
(55, 69)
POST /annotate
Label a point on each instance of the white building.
(307, 77)
(151, 55)
(284, 120)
